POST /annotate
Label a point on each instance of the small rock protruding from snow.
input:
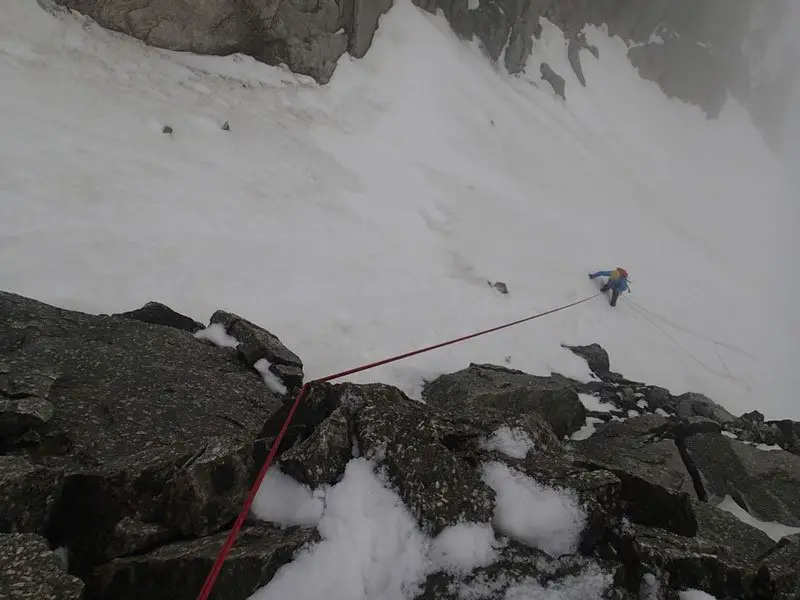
(554, 79)
(499, 286)
(167, 130)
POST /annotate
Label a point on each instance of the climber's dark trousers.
(614, 294)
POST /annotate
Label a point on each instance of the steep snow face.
(364, 218)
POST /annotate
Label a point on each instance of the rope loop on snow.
(216, 568)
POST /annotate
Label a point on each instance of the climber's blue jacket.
(617, 279)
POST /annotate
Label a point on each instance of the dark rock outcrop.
(322, 457)
(778, 569)
(153, 427)
(28, 493)
(554, 79)
(764, 483)
(256, 343)
(655, 481)
(685, 562)
(698, 405)
(160, 314)
(30, 571)
(727, 532)
(18, 416)
(789, 438)
(482, 386)
(596, 358)
(302, 36)
(177, 571)
(365, 17)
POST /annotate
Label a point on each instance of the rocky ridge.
(696, 50)
(146, 435)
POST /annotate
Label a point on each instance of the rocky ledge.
(129, 441)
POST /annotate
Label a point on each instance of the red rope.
(211, 579)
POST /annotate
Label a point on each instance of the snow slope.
(363, 219)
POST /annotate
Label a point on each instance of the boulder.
(789, 433)
(765, 483)
(684, 69)
(488, 386)
(430, 454)
(150, 424)
(658, 397)
(682, 562)
(555, 80)
(735, 539)
(23, 397)
(29, 570)
(322, 457)
(778, 570)
(698, 405)
(177, 571)
(596, 358)
(516, 568)
(301, 35)
(28, 493)
(437, 485)
(256, 343)
(656, 485)
(751, 427)
(160, 314)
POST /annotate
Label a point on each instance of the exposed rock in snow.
(554, 79)
(509, 390)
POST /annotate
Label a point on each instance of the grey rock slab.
(766, 483)
(29, 570)
(488, 386)
(28, 493)
(176, 571)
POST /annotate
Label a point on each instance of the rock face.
(691, 48)
(308, 37)
(654, 477)
(155, 436)
(764, 483)
(159, 314)
(554, 79)
(28, 493)
(509, 390)
(697, 405)
(596, 358)
(257, 344)
(30, 571)
(151, 434)
(177, 571)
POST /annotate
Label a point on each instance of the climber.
(617, 282)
